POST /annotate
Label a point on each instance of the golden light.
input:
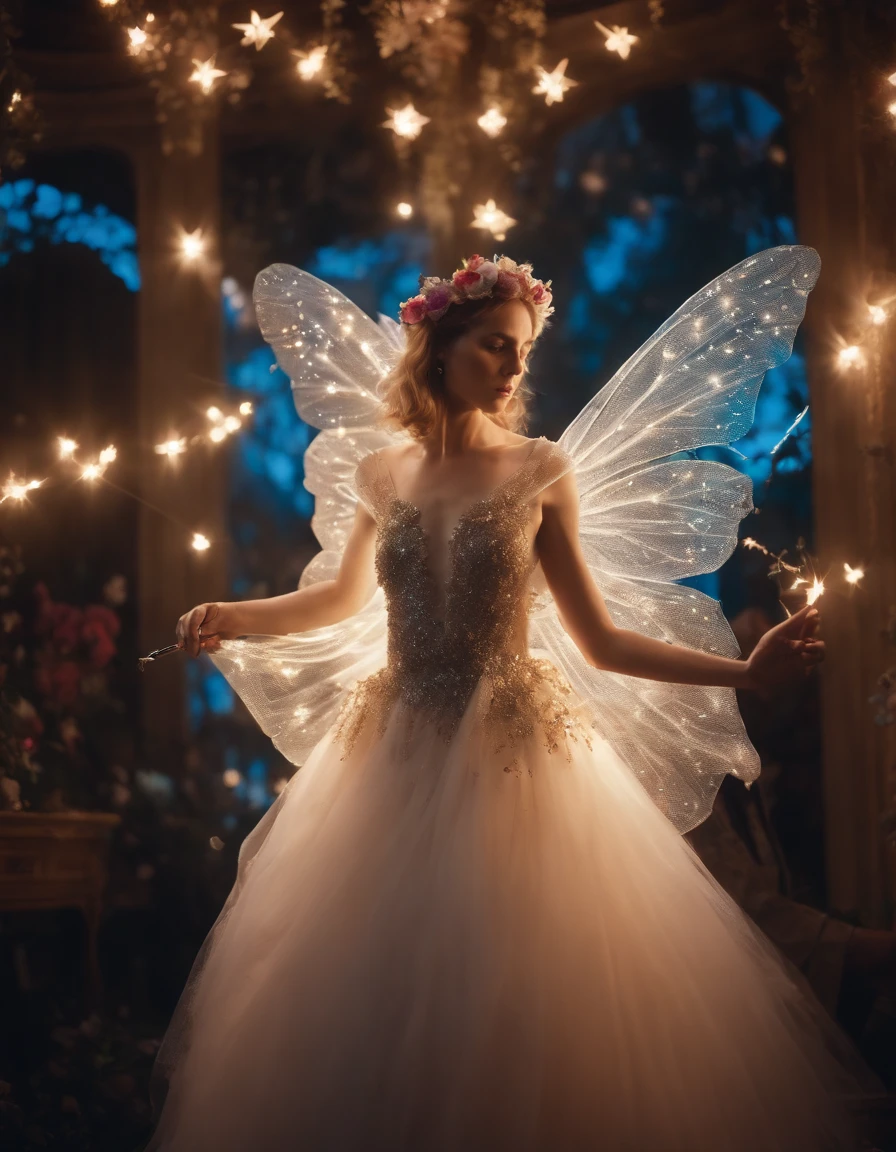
(246, 408)
(108, 3)
(137, 40)
(91, 472)
(15, 99)
(490, 217)
(492, 122)
(15, 489)
(406, 122)
(214, 413)
(232, 423)
(258, 31)
(309, 64)
(205, 74)
(892, 79)
(108, 455)
(617, 39)
(404, 210)
(172, 448)
(850, 357)
(217, 434)
(200, 543)
(192, 244)
(66, 447)
(878, 314)
(231, 777)
(553, 84)
(815, 591)
(891, 108)
(853, 575)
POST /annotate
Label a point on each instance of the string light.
(66, 447)
(554, 84)
(878, 314)
(850, 357)
(91, 472)
(138, 40)
(15, 489)
(171, 448)
(406, 122)
(258, 31)
(246, 408)
(108, 3)
(404, 210)
(310, 64)
(491, 218)
(853, 575)
(617, 39)
(492, 122)
(205, 74)
(231, 777)
(192, 244)
(891, 108)
(108, 455)
(200, 543)
(892, 79)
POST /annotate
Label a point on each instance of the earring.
(440, 369)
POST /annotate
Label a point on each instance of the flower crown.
(500, 277)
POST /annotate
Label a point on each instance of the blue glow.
(30, 211)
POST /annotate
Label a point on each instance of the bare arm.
(781, 653)
(322, 603)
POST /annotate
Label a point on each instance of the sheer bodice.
(442, 641)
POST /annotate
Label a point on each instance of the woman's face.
(484, 367)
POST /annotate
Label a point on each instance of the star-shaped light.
(617, 39)
(490, 217)
(192, 244)
(308, 64)
(553, 84)
(892, 79)
(138, 40)
(406, 122)
(877, 313)
(492, 121)
(205, 74)
(258, 31)
(853, 575)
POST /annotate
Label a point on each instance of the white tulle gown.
(466, 925)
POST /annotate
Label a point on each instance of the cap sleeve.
(549, 465)
(373, 483)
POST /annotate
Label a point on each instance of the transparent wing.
(335, 356)
(649, 518)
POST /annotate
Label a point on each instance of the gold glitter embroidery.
(435, 664)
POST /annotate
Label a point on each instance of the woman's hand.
(204, 627)
(787, 651)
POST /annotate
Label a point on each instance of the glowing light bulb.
(15, 489)
(404, 210)
(853, 575)
(66, 447)
(192, 244)
(878, 314)
(217, 434)
(553, 84)
(91, 472)
(231, 777)
(232, 423)
(617, 39)
(246, 408)
(310, 64)
(108, 455)
(258, 31)
(492, 122)
(850, 357)
(200, 543)
(205, 74)
(137, 40)
(170, 448)
(214, 413)
(406, 122)
(491, 218)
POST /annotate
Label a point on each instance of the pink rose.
(474, 263)
(488, 275)
(413, 310)
(464, 279)
(540, 294)
(508, 285)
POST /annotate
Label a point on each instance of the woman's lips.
(504, 391)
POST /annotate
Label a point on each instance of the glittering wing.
(649, 517)
(335, 356)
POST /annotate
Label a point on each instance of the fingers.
(190, 627)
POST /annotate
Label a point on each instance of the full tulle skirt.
(433, 947)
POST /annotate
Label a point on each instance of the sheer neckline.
(489, 496)
(441, 591)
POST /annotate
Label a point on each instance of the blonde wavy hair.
(412, 394)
